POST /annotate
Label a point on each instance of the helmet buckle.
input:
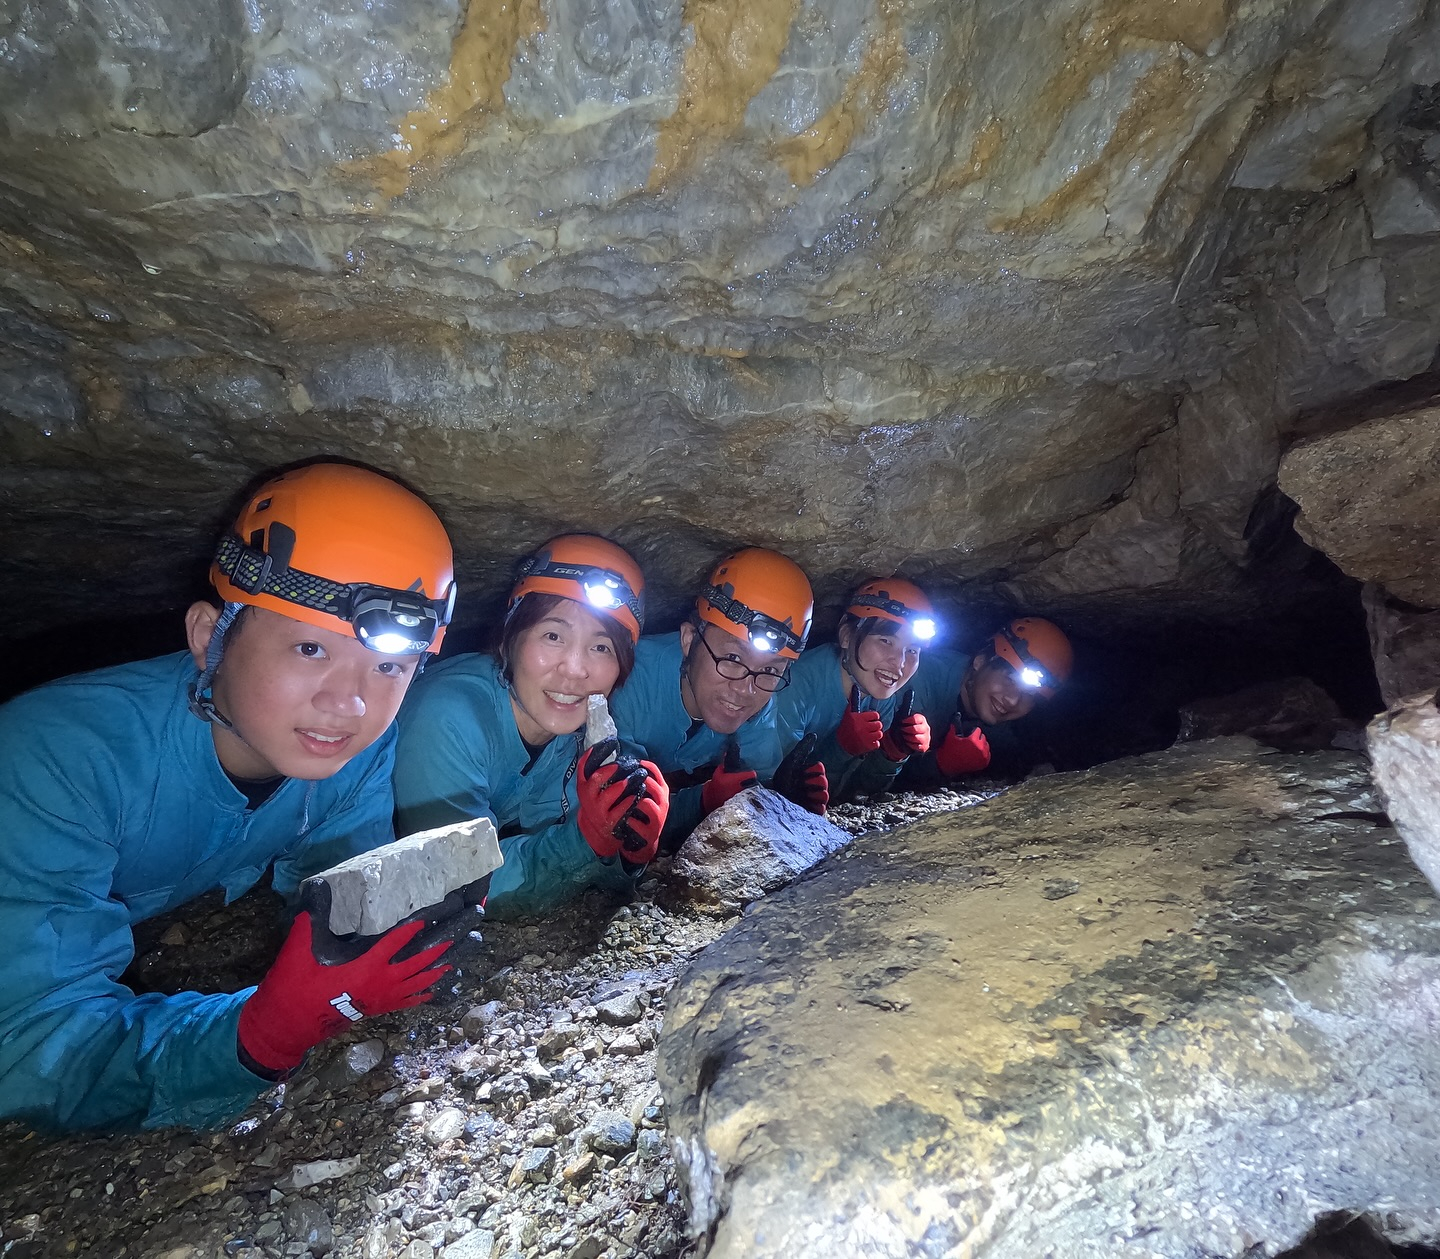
(252, 570)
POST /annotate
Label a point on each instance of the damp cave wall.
(1028, 304)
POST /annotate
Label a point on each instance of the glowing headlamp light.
(1031, 673)
(603, 593)
(393, 622)
(923, 628)
(1032, 677)
(764, 640)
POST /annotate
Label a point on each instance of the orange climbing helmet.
(897, 600)
(344, 549)
(1038, 651)
(761, 596)
(593, 571)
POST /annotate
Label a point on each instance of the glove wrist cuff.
(257, 1054)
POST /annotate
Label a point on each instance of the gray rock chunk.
(479, 1018)
(479, 1243)
(620, 1011)
(306, 1222)
(446, 1126)
(372, 892)
(1242, 969)
(609, 1132)
(304, 1175)
(752, 844)
(1405, 757)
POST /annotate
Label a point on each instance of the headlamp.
(1031, 672)
(393, 622)
(923, 627)
(603, 588)
(764, 633)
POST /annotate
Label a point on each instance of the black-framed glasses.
(733, 670)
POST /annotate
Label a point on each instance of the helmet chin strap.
(202, 701)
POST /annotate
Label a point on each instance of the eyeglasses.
(735, 671)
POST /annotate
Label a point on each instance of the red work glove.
(801, 777)
(909, 733)
(608, 790)
(302, 1002)
(963, 750)
(729, 779)
(859, 733)
(640, 828)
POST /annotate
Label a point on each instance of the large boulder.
(1369, 498)
(1176, 1005)
(1405, 753)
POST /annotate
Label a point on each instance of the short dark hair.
(535, 607)
(861, 627)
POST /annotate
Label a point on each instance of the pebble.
(620, 1011)
(307, 1223)
(609, 1132)
(446, 1126)
(477, 1244)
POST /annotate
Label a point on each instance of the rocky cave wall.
(1027, 300)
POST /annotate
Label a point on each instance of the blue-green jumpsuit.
(114, 808)
(460, 756)
(649, 710)
(814, 703)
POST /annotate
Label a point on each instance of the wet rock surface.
(516, 1116)
(1177, 1005)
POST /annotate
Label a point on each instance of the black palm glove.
(801, 777)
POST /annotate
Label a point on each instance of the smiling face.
(303, 701)
(992, 694)
(883, 660)
(555, 664)
(723, 704)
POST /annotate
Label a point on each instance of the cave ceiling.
(1024, 299)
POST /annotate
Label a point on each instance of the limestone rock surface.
(1370, 499)
(1020, 297)
(1289, 713)
(1405, 752)
(1404, 644)
(1176, 1005)
(755, 842)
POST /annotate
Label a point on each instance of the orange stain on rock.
(737, 49)
(473, 92)
(805, 155)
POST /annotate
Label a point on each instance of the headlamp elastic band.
(738, 613)
(892, 608)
